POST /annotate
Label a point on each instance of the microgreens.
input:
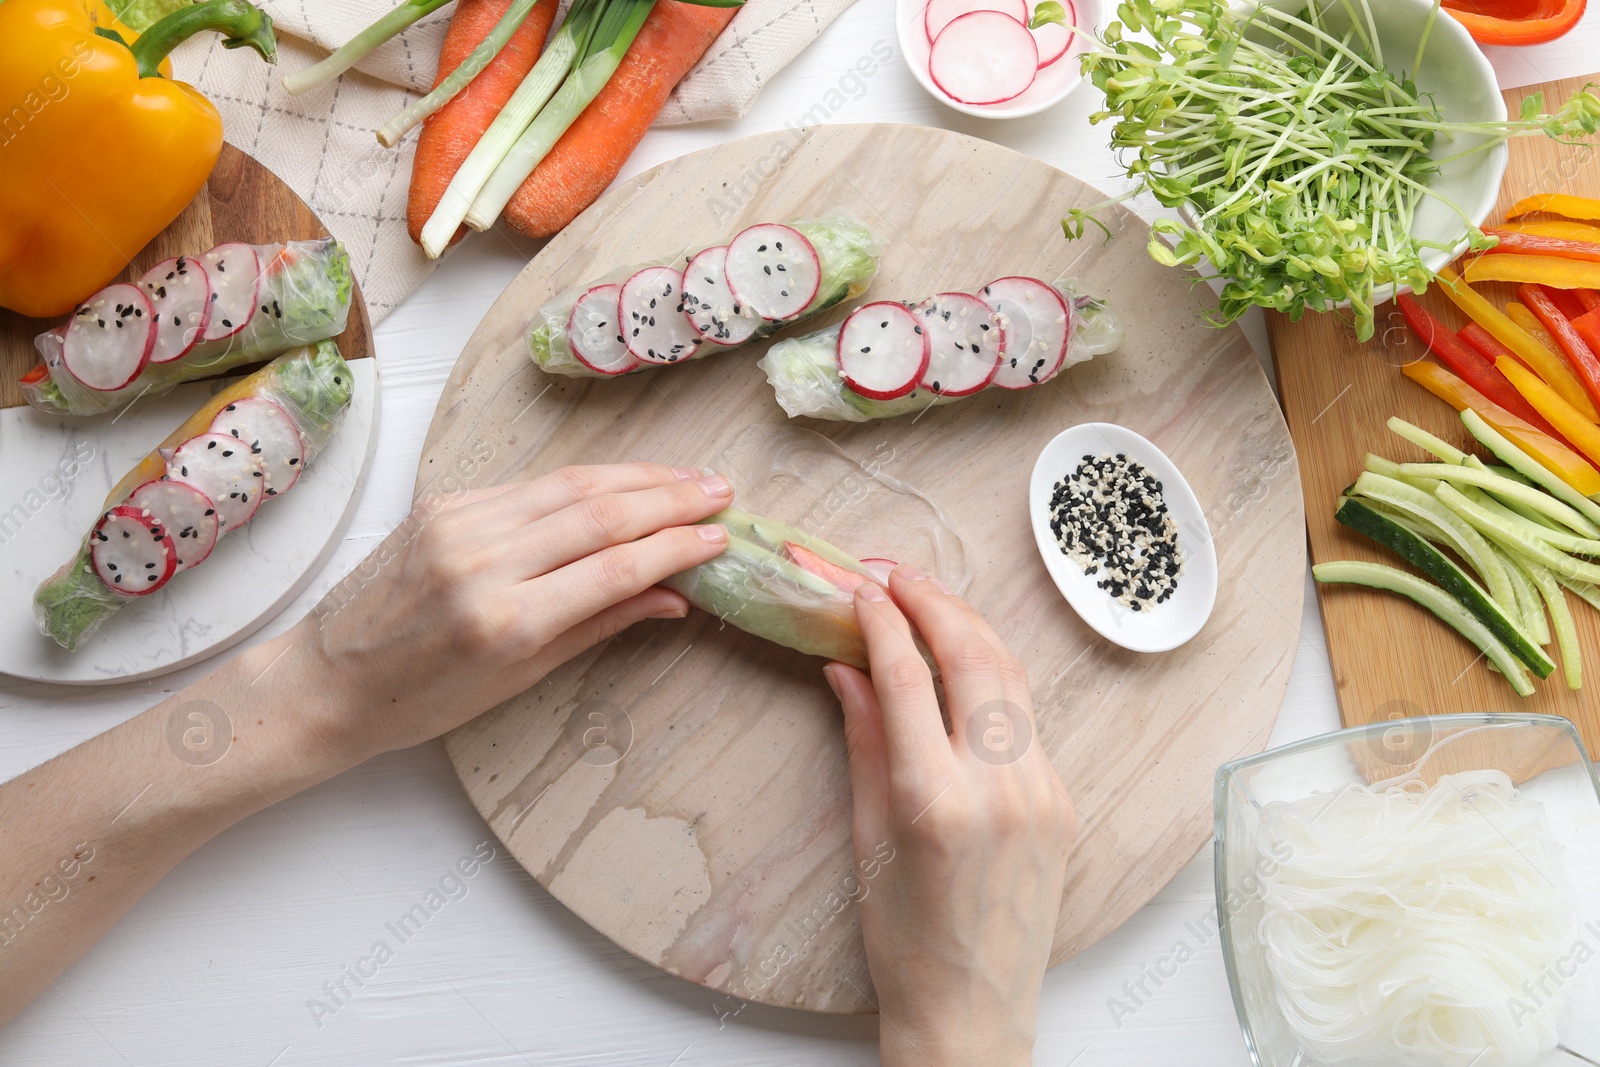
(1302, 158)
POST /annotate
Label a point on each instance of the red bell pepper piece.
(1468, 364)
(1589, 298)
(1572, 344)
(1484, 341)
(1532, 244)
(1565, 301)
(1588, 327)
(1514, 23)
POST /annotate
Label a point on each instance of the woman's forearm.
(87, 834)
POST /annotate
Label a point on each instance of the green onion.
(599, 60)
(525, 104)
(1302, 160)
(390, 132)
(360, 46)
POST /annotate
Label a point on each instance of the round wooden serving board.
(683, 788)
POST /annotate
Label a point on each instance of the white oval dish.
(1051, 86)
(1165, 626)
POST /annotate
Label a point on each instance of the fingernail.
(670, 613)
(684, 474)
(716, 485)
(833, 683)
(714, 532)
(872, 591)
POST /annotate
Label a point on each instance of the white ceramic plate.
(1165, 626)
(1051, 85)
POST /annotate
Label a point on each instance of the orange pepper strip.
(1549, 453)
(1563, 229)
(1538, 270)
(1544, 361)
(1571, 207)
(1568, 421)
(1533, 244)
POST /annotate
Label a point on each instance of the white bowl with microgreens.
(996, 59)
(1132, 597)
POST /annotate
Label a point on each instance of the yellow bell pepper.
(1537, 270)
(1545, 362)
(1549, 453)
(1559, 228)
(1570, 207)
(1584, 435)
(99, 152)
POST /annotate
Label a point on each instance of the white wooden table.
(220, 964)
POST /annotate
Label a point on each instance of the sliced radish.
(940, 13)
(883, 350)
(1038, 327)
(710, 304)
(773, 270)
(1053, 38)
(880, 568)
(841, 578)
(225, 470)
(965, 340)
(984, 57)
(234, 272)
(180, 299)
(593, 334)
(108, 341)
(650, 306)
(188, 516)
(271, 436)
(131, 553)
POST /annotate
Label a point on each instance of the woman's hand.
(959, 922)
(475, 599)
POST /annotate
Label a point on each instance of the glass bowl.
(1542, 754)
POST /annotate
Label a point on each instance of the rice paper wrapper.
(304, 297)
(805, 379)
(849, 253)
(795, 486)
(312, 385)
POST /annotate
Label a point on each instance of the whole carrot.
(449, 135)
(592, 151)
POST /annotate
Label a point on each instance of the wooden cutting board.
(683, 788)
(1391, 659)
(242, 201)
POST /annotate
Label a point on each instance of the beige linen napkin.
(322, 143)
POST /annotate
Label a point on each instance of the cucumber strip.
(1430, 444)
(1386, 467)
(1530, 468)
(1505, 489)
(1561, 621)
(1528, 601)
(1536, 518)
(1567, 542)
(1436, 600)
(1458, 534)
(1504, 471)
(1510, 537)
(1589, 594)
(1449, 577)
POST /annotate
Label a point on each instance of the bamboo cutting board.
(242, 201)
(1391, 659)
(683, 788)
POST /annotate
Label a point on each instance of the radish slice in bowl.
(940, 13)
(984, 57)
(1053, 38)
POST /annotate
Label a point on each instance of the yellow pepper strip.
(1571, 207)
(1539, 270)
(98, 151)
(1544, 361)
(1568, 421)
(1549, 453)
(1560, 229)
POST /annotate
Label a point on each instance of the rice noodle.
(1407, 924)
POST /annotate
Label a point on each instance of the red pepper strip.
(1589, 298)
(1491, 349)
(1588, 327)
(1564, 300)
(1468, 364)
(1577, 351)
(1568, 207)
(1533, 245)
(1524, 24)
(37, 374)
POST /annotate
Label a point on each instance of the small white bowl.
(1051, 86)
(1165, 626)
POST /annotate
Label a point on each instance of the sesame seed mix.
(1110, 518)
